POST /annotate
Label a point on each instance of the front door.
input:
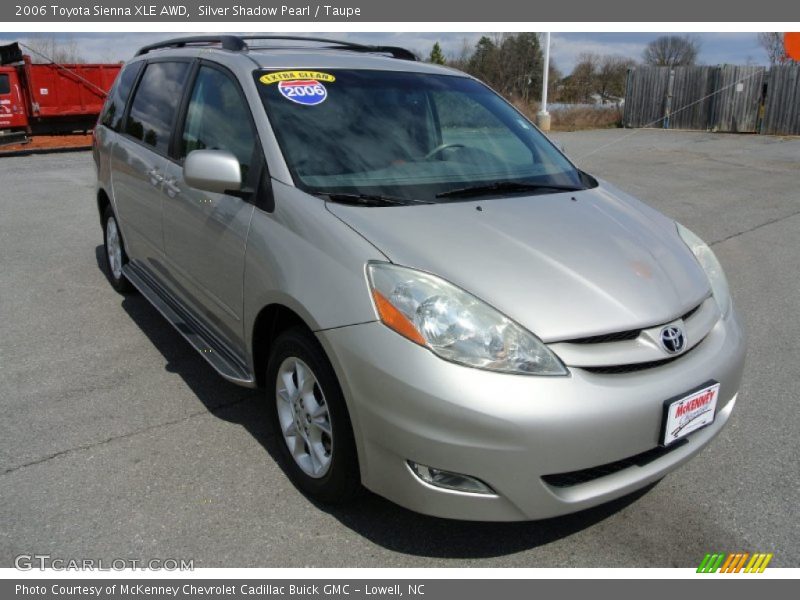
(12, 105)
(205, 233)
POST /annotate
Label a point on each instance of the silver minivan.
(438, 304)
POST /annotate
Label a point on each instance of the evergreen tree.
(511, 64)
(437, 56)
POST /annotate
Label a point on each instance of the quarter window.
(112, 114)
(5, 86)
(217, 118)
(156, 102)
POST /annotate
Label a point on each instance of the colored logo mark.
(791, 41)
(303, 91)
(719, 562)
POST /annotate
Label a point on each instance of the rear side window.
(156, 102)
(218, 118)
(118, 97)
(5, 86)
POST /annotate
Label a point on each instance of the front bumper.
(510, 430)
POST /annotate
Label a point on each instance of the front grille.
(622, 336)
(562, 480)
(618, 336)
(692, 311)
(633, 367)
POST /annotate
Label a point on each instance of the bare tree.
(523, 64)
(672, 51)
(595, 76)
(553, 80)
(772, 42)
(611, 77)
(44, 50)
(461, 59)
(578, 86)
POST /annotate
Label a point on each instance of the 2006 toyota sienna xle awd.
(439, 305)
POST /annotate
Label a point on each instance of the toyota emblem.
(672, 339)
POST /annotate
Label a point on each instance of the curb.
(28, 152)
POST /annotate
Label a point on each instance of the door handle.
(155, 177)
(171, 187)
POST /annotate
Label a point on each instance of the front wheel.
(310, 419)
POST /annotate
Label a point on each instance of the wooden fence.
(740, 99)
(782, 104)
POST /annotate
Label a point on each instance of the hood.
(564, 266)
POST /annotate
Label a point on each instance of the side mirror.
(215, 171)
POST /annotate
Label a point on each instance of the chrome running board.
(216, 354)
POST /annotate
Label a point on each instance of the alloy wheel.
(304, 417)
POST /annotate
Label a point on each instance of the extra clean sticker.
(301, 87)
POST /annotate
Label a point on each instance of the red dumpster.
(50, 98)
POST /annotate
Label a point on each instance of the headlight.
(708, 260)
(454, 324)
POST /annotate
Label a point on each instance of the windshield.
(406, 136)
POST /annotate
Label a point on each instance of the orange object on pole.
(791, 42)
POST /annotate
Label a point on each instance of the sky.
(715, 48)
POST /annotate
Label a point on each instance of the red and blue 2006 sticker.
(301, 87)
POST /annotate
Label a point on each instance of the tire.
(304, 396)
(116, 257)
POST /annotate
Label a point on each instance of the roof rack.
(227, 42)
(393, 51)
(235, 43)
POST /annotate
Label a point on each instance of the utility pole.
(543, 117)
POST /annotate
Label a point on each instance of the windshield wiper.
(371, 199)
(505, 186)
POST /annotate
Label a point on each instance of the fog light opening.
(450, 481)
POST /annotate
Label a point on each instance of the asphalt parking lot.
(118, 441)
